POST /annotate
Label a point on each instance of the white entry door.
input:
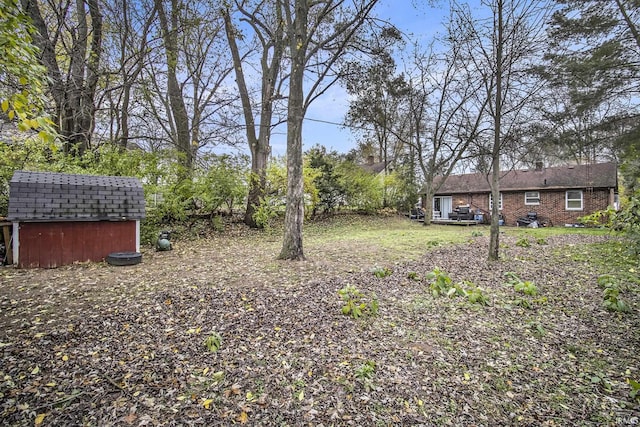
(443, 204)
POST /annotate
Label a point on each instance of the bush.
(602, 218)
(268, 209)
(382, 272)
(627, 220)
(400, 189)
(172, 193)
(221, 183)
(612, 290)
(276, 186)
(363, 191)
(331, 193)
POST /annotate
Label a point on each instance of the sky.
(322, 123)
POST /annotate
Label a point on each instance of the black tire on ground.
(124, 258)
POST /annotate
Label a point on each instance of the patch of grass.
(613, 288)
(537, 329)
(500, 384)
(394, 236)
(527, 287)
(612, 299)
(635, 389)
(476, 295)
(366, 371)
(441, 283)
(382, 272)
(612, 258)
(421, 303)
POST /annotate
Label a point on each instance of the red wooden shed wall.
(52, 244)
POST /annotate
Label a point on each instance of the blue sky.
(414, 17)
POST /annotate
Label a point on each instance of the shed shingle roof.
(599, 175)
(43, 196)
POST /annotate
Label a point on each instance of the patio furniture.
(462, 213)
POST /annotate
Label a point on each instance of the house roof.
(46, 196)
(374, 168)
(599, 175)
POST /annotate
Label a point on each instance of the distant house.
(373, 167)
(559, 195)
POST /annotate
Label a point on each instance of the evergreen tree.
(593, 65)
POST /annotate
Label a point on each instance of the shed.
(60, 219)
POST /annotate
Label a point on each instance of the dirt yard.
(92, 344)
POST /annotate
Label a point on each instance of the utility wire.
(338, 124)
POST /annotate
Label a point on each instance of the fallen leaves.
(242, 418)
(207, 403)
(39, 419)
(131, 351)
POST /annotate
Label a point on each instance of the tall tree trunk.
(176, 100)
(75, 97)
(257, 182)
(259, 145)
(294, 214)
(130, 75)
(428, 205)
(87, 111)
(494, 237)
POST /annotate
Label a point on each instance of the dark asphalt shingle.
(42, 196)
(599, 175)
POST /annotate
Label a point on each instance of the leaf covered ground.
(92, 344)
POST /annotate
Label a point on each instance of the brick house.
(559, 195)
(60, 219)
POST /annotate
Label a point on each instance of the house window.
(573, 200)
(532, 198)
(491, 202)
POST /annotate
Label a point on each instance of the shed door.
(51, 244)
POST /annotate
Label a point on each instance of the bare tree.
(435, 114)
(503, 50)
(70, 42)
(184, 91)
(268, 26)
(446, 112)
(169, 21)
(127, 46)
